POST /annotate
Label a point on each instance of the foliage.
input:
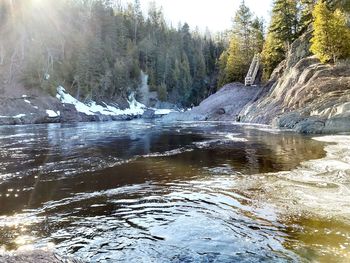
(98, 49)
(331, 36)
(246, 40)
(285, 27)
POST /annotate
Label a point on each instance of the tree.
(246, 40)
(331, 36)
(162, 92)
(97, 49)
(284, 22)
(273, 53)
(305, 12)
(283, 30)
(237, 62)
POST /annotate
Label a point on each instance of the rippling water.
(184, 192)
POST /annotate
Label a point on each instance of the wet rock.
(89, 118)
(310, 126)
(149, 114)
(337, 125)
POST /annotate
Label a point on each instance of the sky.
(215, 14)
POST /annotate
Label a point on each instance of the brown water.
(151, 192)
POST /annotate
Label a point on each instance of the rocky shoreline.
(302, 94)
(41, 109)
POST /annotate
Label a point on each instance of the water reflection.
(145, 191)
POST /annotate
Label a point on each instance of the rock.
(310, 126)
(149, 114)
(287, 120)
(220, 111)
(304, 94)
(337, 125)
(70, 114)
(89, 118)
(225, 104)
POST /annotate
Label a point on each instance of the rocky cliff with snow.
(41, 108)
(302, 94)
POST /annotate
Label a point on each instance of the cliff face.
(304, 95)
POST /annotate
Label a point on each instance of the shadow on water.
(146, 191)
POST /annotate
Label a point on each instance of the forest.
(97, 49)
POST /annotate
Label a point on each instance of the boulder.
(70, 114)
(149, 114)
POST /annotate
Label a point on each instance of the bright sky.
(215, 14)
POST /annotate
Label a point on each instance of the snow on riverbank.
(18, 116)
(52, 114)
(163, 111)
(135, 107)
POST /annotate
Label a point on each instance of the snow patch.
(163, 111)
(52, 114)
(135, 108)
(19, 116)
(27, 101)
(66, 98)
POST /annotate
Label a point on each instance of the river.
(147, 191)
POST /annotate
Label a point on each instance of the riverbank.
(302, 94)
(40, 108)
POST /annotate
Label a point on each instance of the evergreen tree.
(331, 35)
(285, 20)
(305, 10)
(246, 40)
(283, 30)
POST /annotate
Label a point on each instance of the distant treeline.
(97, 50)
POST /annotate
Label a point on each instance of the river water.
(183, 192)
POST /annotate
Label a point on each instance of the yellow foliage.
(331, 36)
(272, 54)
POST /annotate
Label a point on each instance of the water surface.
(153, 192)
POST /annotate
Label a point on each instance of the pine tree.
(273, 53)
(305, 10)
(237, 64)
(245, 42)
(285, 21)
(283, 30)
(331, 36)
